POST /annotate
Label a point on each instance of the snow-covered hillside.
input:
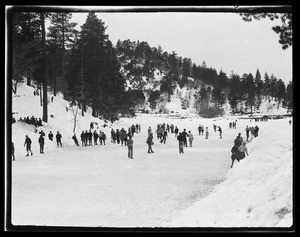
(99, 186)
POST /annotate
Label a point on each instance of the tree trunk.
(45, 99)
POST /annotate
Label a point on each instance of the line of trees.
(82, 65)
(213, 89)
(89, 71)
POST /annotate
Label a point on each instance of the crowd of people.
(32, 120)
(125, 138)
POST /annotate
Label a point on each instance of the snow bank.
(257, 191)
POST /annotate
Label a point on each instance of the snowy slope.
(257, 191)
(24, 104)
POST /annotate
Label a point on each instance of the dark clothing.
(180, 142)
(238, 141)
(41, 142)
(58, 139)
(184, 136)
(130, 148)
(12, 150)
(150, 143)
(50, 136)
(28, 145)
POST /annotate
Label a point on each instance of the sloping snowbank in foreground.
(257, 191)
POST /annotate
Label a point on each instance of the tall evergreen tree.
(258, 83)
(61, 37)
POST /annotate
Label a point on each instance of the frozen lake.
(99, 186)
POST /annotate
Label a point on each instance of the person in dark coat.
(86, 137)
(150, 142)
(113, 136)
(180, 142)
(50, 136)
(103, 138)
(42, 143)
(90, 136)
(256, 131)
(130, 147)
(12, 151)
(58, 139)
(28, 145)
(176, 131)
(95, 134)
(220, 131)
(247, 133)
(238, 140)
(184, 137)
(82, 138)
(118, 136)
(164, 137)
(75, 139)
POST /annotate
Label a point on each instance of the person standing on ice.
(184, 137)
(12, 151)
(58, 139)
(247, 133)
(199, 130)
(180, 142)
(28, 145)
(42, 143)
(82, 138)
(150, 141)
(191, 138)
(176, 130)
(206, 133)
(95, 135)
(50, 136)
(164, 137)
(220, 131)
(130, 147)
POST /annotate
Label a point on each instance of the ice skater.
(12, 151)
(58, 139)
(130, 147)
(206, 133)
(42, 143)
(191, 138)
(150, 141)
(220, 131)
(180, 142)
(28, 145)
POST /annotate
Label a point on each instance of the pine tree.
(26, 47)
(234, 91)
(258, 83)
(266, 85)
(280, 92)
(218, 96)
(289, 95)
(61, 37)
(93, 42)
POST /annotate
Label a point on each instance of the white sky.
(223, 40)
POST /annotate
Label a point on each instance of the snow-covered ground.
(100, 186)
